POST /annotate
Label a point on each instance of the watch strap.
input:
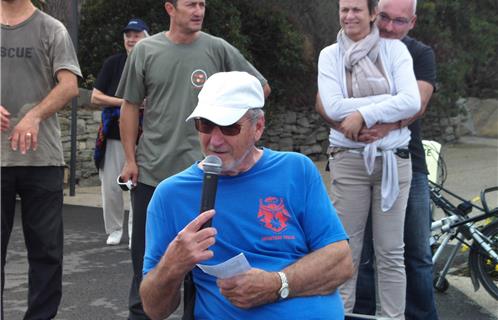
(283, 292)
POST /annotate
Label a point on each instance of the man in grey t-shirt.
(168, 70)
(39, 76)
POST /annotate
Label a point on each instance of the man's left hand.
(4, 119)
(25, 134)
(250, 289)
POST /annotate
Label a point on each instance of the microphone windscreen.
(212, 164)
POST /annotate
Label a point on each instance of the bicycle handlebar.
(483, 197)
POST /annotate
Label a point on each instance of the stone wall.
(87, 125)
(442, 128)
(481, 117)
(301, 131)
(476, 117)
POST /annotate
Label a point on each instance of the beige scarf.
(359, 59)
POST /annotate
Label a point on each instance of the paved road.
(97, 277)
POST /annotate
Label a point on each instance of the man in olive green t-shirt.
(39, 77)
(168, 70)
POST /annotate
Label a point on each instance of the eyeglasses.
(398, 22)
(205, 126)
(125, 186)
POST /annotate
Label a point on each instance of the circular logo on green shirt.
(198, 78)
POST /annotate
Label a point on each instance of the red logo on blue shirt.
(272, 214)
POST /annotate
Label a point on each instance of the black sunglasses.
(205, 126)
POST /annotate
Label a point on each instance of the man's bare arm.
(128, 130)
(160, 289)
(318, 273)
(25, 134)
(322, 271)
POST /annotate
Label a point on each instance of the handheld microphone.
(212, 168)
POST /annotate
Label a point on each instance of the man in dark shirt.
(109, 154)
(396, 18)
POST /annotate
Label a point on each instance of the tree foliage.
(464, 36)
(283, 39)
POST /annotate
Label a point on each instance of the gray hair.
(146, 34)
(255, 114)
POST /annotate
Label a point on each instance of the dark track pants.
(140, 198)
(41, 193)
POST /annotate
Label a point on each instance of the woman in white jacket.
(364, 80)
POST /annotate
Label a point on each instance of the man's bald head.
(396, 18)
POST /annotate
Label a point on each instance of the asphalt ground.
(97, 277)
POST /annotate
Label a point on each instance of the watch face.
(284, 293)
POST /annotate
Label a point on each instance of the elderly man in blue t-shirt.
(271, 206)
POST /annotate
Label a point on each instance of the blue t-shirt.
(275, 213)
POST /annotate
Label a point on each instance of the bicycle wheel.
(486, 269)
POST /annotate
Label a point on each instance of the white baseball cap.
(226, 97)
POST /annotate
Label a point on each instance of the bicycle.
(479, 232)
(481, 239)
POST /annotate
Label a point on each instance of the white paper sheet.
(229, 268)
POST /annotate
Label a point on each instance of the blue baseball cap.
(136, 25)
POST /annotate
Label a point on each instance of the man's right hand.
(130, 172)
(191, 245)
(4, 119)
(376, 132)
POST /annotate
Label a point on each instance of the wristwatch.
(284, 288)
